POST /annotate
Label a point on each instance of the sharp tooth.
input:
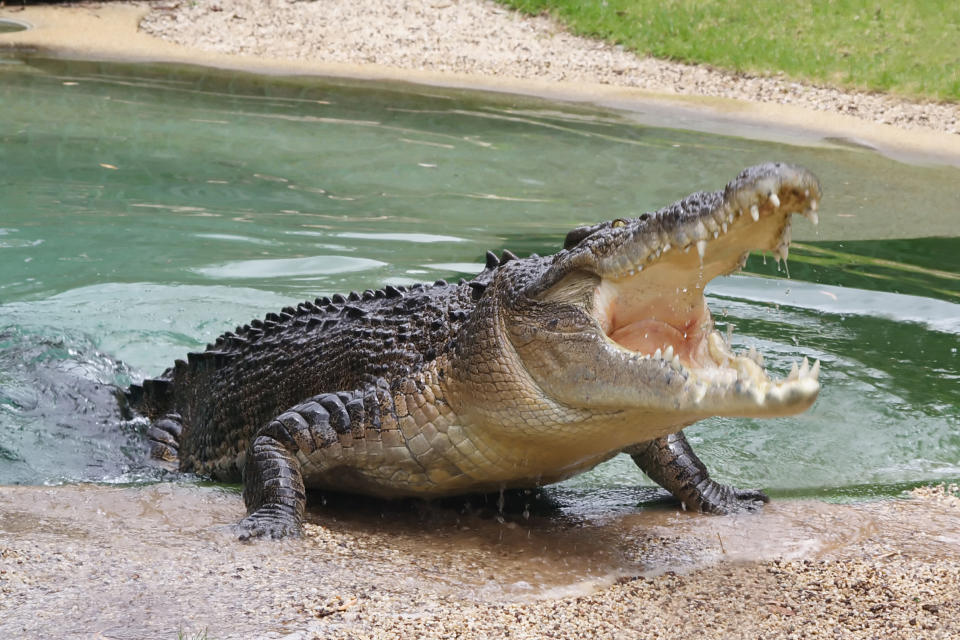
(724, 227)
(794, 372)
(814, 205)
(701, 247)
(815, 370)
(754, 212)
(805, 367)
(676, 361)
(700, 230)
(812, 216)
(748, 370)
(658, 354)
(719, 351)
(775, 200)
(668, 354)
(632, 272)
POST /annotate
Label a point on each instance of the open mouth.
(653, 305)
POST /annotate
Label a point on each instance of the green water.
(145, 210)
(8, 26)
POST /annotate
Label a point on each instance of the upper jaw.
(765, 194)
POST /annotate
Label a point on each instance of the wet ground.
(150, 561)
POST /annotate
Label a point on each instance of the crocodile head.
(616, 324)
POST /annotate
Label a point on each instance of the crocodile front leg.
(273, 484)
(670, 462)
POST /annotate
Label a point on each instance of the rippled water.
(147, 209)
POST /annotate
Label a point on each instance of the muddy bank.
(145, 562)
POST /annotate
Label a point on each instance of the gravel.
(480, 37)
(148, 562)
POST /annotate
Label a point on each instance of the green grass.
(906, 47)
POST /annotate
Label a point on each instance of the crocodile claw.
(723, 499)
(267, 523)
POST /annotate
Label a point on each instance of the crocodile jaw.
(655, 309)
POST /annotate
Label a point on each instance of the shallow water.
(9, 26)
(148, 209)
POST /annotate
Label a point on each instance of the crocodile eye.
(619, 222)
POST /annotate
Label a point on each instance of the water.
(148, 209)
(9, 26)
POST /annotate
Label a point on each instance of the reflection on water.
(146, 210)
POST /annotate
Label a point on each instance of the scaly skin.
(534, 371)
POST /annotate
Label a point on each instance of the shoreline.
(481, 38)
(111, 32)
(163, 559)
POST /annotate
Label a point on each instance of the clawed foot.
(268, 523)
(723, 499)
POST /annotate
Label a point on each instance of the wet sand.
(145, 562)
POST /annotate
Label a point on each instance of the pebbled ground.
(88, 561)
(483, 38)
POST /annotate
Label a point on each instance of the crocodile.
(535, 370)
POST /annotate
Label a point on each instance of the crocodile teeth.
(719, 350)
(794, 373)
(750, 371)
(668, 354)
(814, 205)
(701, 248)
(805, 368)
(775, 200)
(812, 216)
(754, 212)
(676, 362)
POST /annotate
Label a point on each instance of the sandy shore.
(479, 37)
(128, 562)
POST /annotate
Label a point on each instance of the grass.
(910, 48)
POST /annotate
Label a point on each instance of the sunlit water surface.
(143, 211)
